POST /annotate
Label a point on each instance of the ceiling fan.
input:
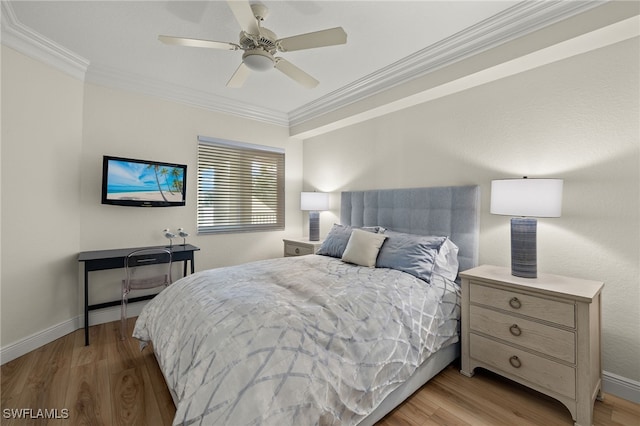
(261, 44)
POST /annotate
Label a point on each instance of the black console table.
(100, 260)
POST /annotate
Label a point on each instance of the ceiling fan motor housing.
(266, 40)
(259, 49)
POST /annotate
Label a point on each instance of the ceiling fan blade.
(329, 37)
(194, 42)
(244, 15)
(239, 77)
(296, 73)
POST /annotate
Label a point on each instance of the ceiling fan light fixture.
(258, 60)
(261, 44)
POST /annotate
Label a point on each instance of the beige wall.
(41, 141)
(55, 130)
(576, 119)
(130, 125)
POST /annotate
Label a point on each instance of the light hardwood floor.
(111, 382)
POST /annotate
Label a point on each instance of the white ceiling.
(118, 41)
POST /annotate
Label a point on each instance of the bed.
(322, 339)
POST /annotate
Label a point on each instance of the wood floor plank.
(58, 362)
(417, 411)
(400, 418)
(45, 387)
(113, 382)
(89, 396)
(445, 417)
(156, 380)
(133, 399)
(152, 415)
(491, 399)
(13, 376)
(94, 352)
(127, 397)
(621, 405)
(465, 407)
(625, 417)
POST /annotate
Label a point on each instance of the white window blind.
(240, 187)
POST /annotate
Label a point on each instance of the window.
(240, 187)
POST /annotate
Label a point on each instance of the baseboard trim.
(619, 386)
(33, 342)
(36, 340)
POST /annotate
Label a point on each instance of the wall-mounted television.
(143, 183)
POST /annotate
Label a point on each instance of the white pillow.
(447, 260)
(363, 247)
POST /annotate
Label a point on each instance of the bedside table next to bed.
(300, 247)
(541, 332)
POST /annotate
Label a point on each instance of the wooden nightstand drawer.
(524, 304)
(300, 247)
(297, 250)
(541, 371)
(549, 340)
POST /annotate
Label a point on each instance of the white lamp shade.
(527, 197)
(314, 201)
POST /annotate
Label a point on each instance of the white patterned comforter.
(294, 341)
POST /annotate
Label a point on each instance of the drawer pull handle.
(515, 303)
(515, 362)
(297, 250)
(515, 330)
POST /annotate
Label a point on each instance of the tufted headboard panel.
(452, 211)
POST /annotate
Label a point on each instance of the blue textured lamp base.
(314, 226)
(523, 248)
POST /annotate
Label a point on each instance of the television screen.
(141, 183)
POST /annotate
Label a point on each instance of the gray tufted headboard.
(452, 211)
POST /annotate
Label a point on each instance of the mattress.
(297, 340)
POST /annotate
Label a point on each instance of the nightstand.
(300, 247)
(541, 332)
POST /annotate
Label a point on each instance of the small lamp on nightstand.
(314, 203)
(531, 198)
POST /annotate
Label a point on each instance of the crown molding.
(111, 77)
(21, 38)
(34, 45)
(517, 21)
(521, 19)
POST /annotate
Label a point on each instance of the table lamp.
(527, 198)
(314, 203)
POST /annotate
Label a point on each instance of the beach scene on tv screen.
(144, 182)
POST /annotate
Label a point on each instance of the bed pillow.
(447, 263)
(374, 229)
(410, 253)
(363, 247)
(336, 241)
